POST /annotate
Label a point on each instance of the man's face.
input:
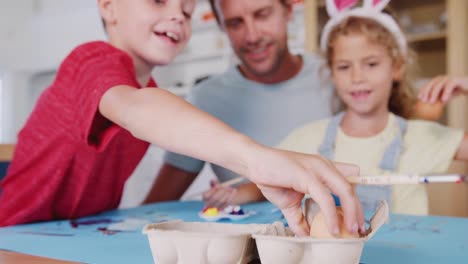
(258, 32)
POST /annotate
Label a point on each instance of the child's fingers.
(321, 194)
(216, 198)
(348, 198)
(426, 89)
(431, 89)
(214, 183)
(220, 197)
(210, 195)
(327, 205)
(296, 220)
(437, 89)
(463, 82)
(289, 201)
(361, 217)
(449, 91)
(207, 197)
(227, 198)
(348, 170)
(230, 197)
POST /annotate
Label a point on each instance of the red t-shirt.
(70, 161)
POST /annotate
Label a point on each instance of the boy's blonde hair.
(402, 97)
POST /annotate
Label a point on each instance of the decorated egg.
(319, 229)
(428, 111)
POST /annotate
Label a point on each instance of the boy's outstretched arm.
(159, 117)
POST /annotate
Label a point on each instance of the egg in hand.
(319, 229)
(427, 111)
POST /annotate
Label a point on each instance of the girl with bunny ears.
(367, 55)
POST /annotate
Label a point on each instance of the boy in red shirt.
(92, 126)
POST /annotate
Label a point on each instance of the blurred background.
(37, 34)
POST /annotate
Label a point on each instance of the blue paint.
(406, 239)
(337, 200)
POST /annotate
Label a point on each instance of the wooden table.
(7, 257)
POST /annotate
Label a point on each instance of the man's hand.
(219, 196)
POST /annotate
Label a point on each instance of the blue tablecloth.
(406, 239)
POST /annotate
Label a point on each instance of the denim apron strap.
(369, 195)
(393, 151)
(327, 148)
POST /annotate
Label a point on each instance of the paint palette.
(234, 213)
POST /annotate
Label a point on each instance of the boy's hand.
(284, 177)
(443, 88)
(219, 196)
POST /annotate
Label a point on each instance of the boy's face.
(363, 73)
(153, 32)
(257, 31)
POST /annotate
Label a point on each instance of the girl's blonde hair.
(402, 97)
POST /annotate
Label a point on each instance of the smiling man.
(267, 95)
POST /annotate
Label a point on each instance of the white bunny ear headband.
(339, 10)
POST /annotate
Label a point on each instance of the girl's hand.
(443, 88)
(219, 196)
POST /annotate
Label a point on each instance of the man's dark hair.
(215, 11)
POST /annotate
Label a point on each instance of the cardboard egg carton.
(279, 249)
(191, 242)
(179, 242)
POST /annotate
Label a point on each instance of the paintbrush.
(223, 184)
(390, 179)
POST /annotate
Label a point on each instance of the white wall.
(35, 36)
(13, 15)
(44, 38)
(15, 103)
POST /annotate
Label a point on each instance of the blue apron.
(369, 195)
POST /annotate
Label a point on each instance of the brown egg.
(427, 111)
(318, 227)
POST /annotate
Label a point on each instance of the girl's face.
(152, 32)
(363, 73)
